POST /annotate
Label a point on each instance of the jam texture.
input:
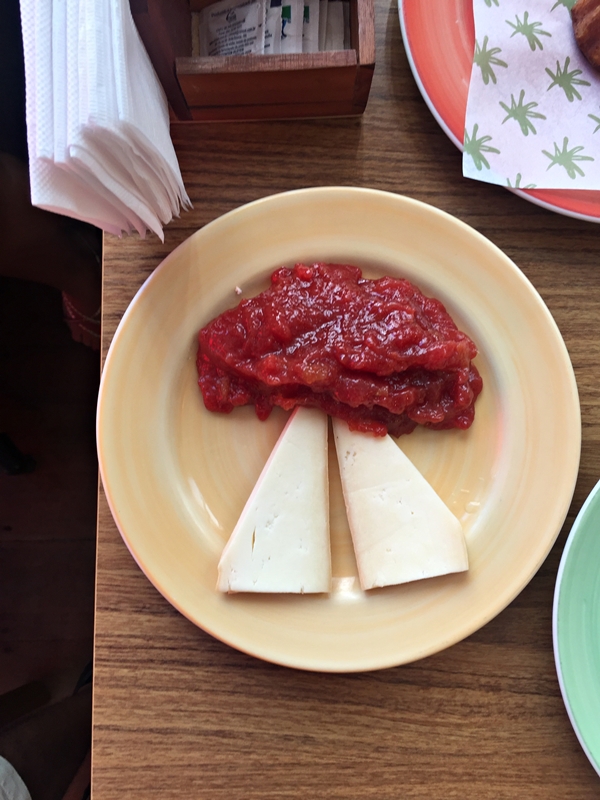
(376, 353)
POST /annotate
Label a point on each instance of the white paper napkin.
(97, 118)
(533, 112)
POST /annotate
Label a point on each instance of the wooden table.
(178, 714)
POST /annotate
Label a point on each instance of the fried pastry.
(585, 15)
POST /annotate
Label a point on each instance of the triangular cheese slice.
(281, 541)
(401, 530)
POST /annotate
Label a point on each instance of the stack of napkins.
(97, 118)
(533, 113)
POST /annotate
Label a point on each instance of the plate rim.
(593, 499)
(528, 195)
(313, 665)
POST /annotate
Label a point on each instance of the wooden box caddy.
(332, 83)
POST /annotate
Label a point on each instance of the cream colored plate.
(177, 476)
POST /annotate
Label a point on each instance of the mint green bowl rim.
(576, 626)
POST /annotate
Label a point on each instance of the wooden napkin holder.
(298, 85)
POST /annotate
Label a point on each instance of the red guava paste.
(376, 353)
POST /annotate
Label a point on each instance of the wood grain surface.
(177, 714)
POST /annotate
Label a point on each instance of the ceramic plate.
(177, 476)
(576, 626)
(439, 38)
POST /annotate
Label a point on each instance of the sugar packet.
(322, 23)
(272, 39)
(232, 28)
(334, 36)
(292, 21)
(273, 28)
(310, 29)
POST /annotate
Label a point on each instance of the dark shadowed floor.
(48, 390)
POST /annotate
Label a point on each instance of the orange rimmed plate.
(177, 477)
(439, 38)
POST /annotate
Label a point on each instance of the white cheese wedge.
(281, 541)
(401, 530)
